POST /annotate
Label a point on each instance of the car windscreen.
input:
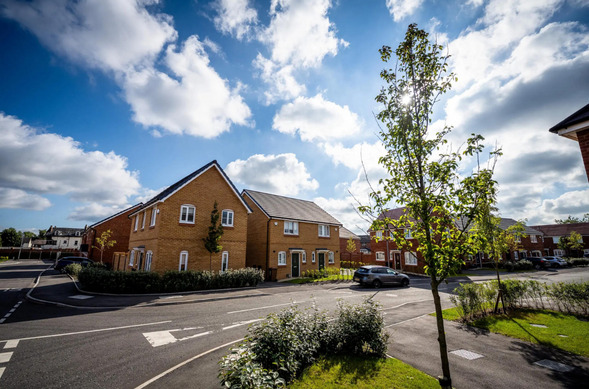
(362, 270)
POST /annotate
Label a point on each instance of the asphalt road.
(177, 341)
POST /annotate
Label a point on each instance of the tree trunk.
(445, 380)
(500, 293)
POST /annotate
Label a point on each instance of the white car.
(556, 261)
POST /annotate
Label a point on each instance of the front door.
(295, 264)
(398, 261)
(321, 260)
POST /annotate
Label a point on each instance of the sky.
(104, 103)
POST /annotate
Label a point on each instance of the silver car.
(556, 261)
(378, 276)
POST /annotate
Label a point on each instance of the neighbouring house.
(530, 245)
(63, 238)
(576, 127)
(119, 224)
(344, 236)
(553, 233)
(365, 244)
(287, 236)
(167, 232)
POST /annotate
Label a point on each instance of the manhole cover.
(553, 365)
(539, 325)
(466, 354)
(81, 297)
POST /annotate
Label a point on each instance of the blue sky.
(105, 103)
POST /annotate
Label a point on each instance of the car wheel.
(377, 284)
(537, 267)
(405, 282)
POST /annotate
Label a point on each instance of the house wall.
(343, 249)
(257, 228)
(583, 138)
(389, 250)
(168, 238)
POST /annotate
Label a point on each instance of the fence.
(36, 253)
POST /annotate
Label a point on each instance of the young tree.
(440, 205)
(214, 236)
(573, 242)
(350, 246)
(573, 219)
(104, 242)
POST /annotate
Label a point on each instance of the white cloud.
(574, 203)
(294, 25)
(361, 154)
(95, 211)
(235, 17)
(316, 119)
(46, 163)
(281, 174)
(197, 101)
(16, 198)
(402, 8)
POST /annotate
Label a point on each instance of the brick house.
(553, 233)
(119, 224)
(576, 127)
(531, 245)
(287, 236)
(344, 236)
(167, 231)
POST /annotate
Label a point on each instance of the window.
(536, 253)
(324, 231)
(515, 255)
(154, 212)
(313, 256)
(187, 214)
(331, 257)
(183, 261)
(556, 239)
(291, 228)
(227, 218)
(380, 255)
(533, 239)
(224, 261)
(379, 234)
(131, 257)
(148, 257)
(282, 258)
(75, 242)
(65, 242)
(586, 251)
(408, 233)
(304, 257)
(518, 239)
(410, 258)
(558, 252)
(143, 220)
(136, 223)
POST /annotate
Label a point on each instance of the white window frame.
(555, 239)
(143, 220)
(536, 253)
(324, 231)
(132, 258)
(379, 254)
(304, 257)
(148, 258)
(410, 258)
(136, 222)
(183, 260)
(331, 257)
(312, 256)
(559, 252)
(154, 211)
(282, 258)
(516, 255)
(188, 208)
(408, 233)
(294, 228)
(224, 261)
(227, 221)
(533, 239)
(379, 234)
(518, 239)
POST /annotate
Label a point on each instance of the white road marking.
(161, 338)
(241, 323)
(5, 357)
(409, 302)
(88, 332)
(157, 377)
(405, 321)
(391, 295)
(2, 371)
(10, 312)
(267, 306)
(11, 344)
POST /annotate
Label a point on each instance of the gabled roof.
(563, 229)
(505, 223)
(64, 231)
(580, 116)
(347, 234)
(280, 207)
(169, 191)
(116, 214)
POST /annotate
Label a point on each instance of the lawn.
(362, 372)
(565, 332)
(4, 259)
(307, 280)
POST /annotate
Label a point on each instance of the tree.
(10, 237)
(214, 236)
(439, 205)
(570, 243)
(573, 219)
(350, 246)
(104, 242)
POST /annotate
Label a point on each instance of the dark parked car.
(63, 262)
(539, 263)
(378, 276)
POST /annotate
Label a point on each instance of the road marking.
(161, 338)
(157, 377)
(10, 312)
(391, 295)
(88, 332)
(5, 357)
(2, 371)
(241, 323)
(405, 321)
(267, 306)
(11, 344)
(409, 302)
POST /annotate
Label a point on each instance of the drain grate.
(467, 354)
(553, 365)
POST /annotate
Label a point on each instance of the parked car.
(539, 262)
(63, 262)
(556, 261)
(378, 276)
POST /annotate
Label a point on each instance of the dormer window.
(227, 218)
(187, 214)
(324, 231)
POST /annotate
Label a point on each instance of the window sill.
(228, 227)
(186, 224)
(295, 235)
(324, 237)
(282, 265)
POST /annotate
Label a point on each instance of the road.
(47, 346)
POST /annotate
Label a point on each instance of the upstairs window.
(153, 216)
(187, 214)
(379, 234)
(291, 228)
(533, 239)
(282, 258)
(143, 220)
(227, 218)
(324, 231)
(136, 223)
(555, 239)
(183, 265)
(408, 233)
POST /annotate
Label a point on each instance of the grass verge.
(563, 331)
(363, 373)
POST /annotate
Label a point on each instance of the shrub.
(240, 370)
(73, 269)
(578, 261)
(519, 265)
(474, 299)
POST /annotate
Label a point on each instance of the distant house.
(167, 232)
(576, 127)
(344, 236)
(553, 233)
(531, 245)
(119, 224)
(63, 238)
(288, 236)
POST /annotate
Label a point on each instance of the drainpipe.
(268, 245)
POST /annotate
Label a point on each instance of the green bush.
(474, 299)
(73, 269)
(578, 261)
(519, 265)
(571, 297)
